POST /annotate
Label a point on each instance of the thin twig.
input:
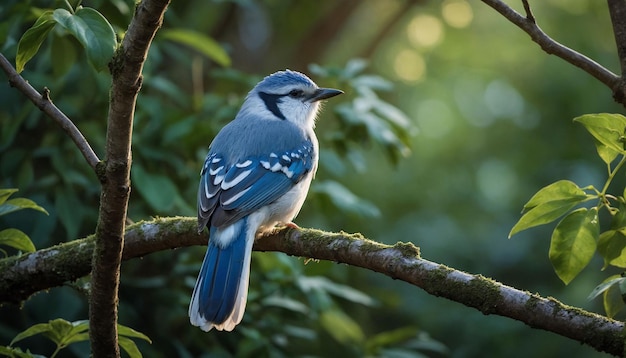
(51, 267)
(529, 12)
(550, 46)
(43, 102)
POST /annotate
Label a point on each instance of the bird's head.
(287, 95)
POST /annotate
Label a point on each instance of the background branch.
(550, 46)
(43, 102)
(617, 10)
(126, 68)
(51, 267)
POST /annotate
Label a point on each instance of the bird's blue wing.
(228, 193)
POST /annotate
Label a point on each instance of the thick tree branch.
(126, 68)
(51, 267)
(44, 103)
(617, 9)
(550, 46)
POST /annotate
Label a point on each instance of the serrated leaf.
(93, 31)
(200, 42)
(16, 239)
(32, 39)
(607, 128)
(549, 204)
(611, 245)
(18, 204)
(573, 243)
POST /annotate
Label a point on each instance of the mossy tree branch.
(52, 267)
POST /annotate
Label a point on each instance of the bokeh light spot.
(457, 13)
(425, 31)
(409, 66)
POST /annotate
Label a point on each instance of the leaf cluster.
(63, 333)
(11, 237)
(579, 233)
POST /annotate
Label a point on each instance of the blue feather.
(221, 274)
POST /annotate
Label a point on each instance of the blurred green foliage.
(494, 117)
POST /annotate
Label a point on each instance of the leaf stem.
(56, 351)
(612, 175)
(69, 6)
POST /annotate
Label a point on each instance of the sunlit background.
(490, 119)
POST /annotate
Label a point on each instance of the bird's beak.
(324, 93)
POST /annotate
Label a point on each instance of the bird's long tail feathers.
(220, 294)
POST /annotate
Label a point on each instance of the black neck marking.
(271, 102)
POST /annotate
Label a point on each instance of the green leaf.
(605, 285)
(129, 347)
(62, 55)
(127, 344)
(93, 31)
(5, 194)
(606, 153)
(58, 330)
(389, 338)
(158, 190)
(344, 199)
(322, 283)
(574, 243)
(560, 190)
(199, 42)
(612, 297)
(78, 333)
(31, 331)
(19, 204)
(606, 128)
(550, 203)
(611, 245)
(286, 303)
(341, 327)
(16, 239)
(17, 353)
(129, 332)
(32, 39)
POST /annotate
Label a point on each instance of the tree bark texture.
(54, 266)
(126, 68)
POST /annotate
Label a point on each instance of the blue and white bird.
(256, 175)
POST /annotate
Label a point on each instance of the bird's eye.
(296, 93)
